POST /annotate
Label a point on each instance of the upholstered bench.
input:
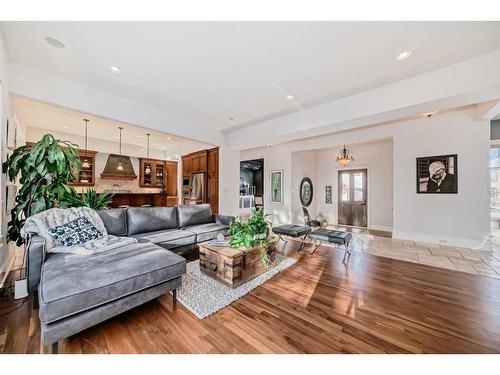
(294, 231)
(333, 237)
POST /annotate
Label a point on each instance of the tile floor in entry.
(479, 262)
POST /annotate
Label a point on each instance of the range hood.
(111, 171)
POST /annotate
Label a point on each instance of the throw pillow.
(75, 232)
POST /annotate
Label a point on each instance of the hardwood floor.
(375, 305)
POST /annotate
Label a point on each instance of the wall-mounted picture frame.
(306, 192)
(276, 185)
(328, 194)
(437, 174)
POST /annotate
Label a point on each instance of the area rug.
(204, 296)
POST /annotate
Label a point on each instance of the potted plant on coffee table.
(254, 232)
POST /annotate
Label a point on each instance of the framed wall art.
(277, 186)
(437, 174)
(328, 194)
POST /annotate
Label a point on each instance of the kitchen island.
(142, 199)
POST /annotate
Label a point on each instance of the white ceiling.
(216, 70)
(33, 114)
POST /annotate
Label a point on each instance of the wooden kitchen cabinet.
(213, 194)
(195, 162)
(86, 176)
(171, 185)
(202, 162)
(152, 173)
(213, 162)
(185, 168)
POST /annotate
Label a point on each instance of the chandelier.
(344, 157)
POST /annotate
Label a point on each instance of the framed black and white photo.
(437, 174)
(328, 194)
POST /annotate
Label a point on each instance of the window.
(495, 191)
(494, 157)
(345, 187)
(358, 187)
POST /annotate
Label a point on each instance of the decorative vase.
(321, 219)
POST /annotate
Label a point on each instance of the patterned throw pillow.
(75, 232)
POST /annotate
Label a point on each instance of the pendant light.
(120, 166)
(147, 170)
(86, 163)
(344, 157)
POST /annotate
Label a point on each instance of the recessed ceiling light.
(404, 55)
(65, 127)
(54, 42)
(429, 114)
(115, 69)
(289, 97)
(169, 138)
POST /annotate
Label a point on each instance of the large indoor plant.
(45, 169)
(252, 232)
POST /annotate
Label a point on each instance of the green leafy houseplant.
(252, 232)
(90, 198)
(45, 169)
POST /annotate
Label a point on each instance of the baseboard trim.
(382, 228)
(478, 244)
(5, 268)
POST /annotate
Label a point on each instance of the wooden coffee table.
(233, 267)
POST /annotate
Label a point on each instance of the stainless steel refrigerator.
(197, 189)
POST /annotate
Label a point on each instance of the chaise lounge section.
(76, 292)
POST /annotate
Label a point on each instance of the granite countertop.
(131, 193)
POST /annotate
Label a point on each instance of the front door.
(353, 197)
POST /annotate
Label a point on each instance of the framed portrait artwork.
(437, 174)
(277, 186)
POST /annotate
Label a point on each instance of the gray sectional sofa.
(177, 229)
(75, 292)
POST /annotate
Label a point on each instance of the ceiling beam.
(468, 82)
(491, 111)
(54, 89)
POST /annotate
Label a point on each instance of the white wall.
(4, 114)
(275, 158)
(376, 157)
(461, 219)
(229, 181)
